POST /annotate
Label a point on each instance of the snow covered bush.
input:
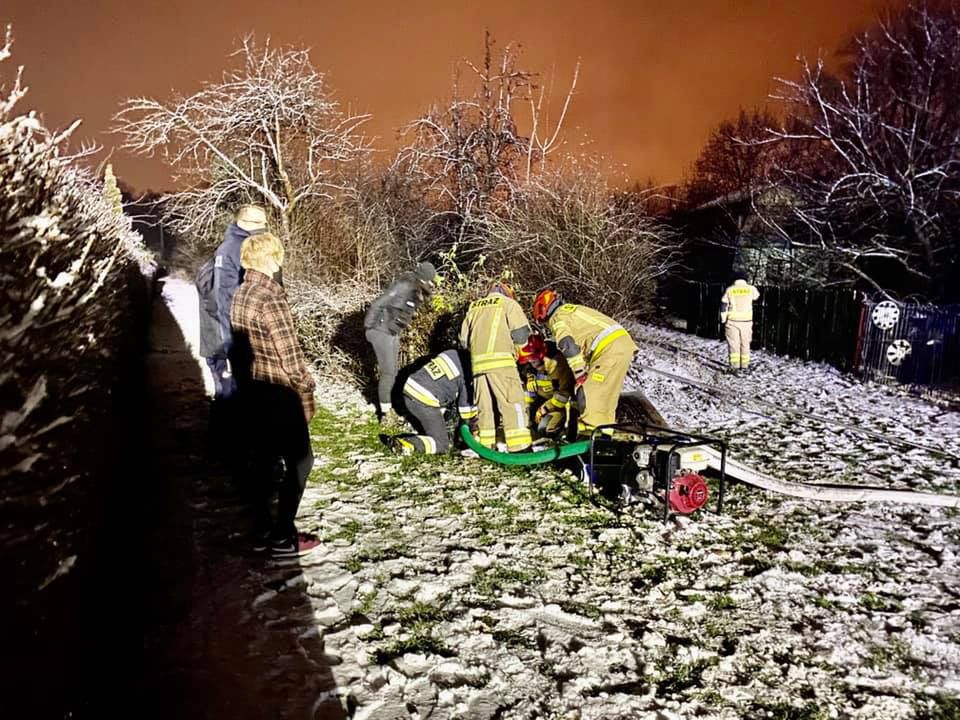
(72, 298)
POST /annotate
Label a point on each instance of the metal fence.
(910, 343)
(818, 325)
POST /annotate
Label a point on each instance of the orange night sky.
(656, 76)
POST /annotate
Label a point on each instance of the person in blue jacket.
(215, 336)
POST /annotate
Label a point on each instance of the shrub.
(568, 233)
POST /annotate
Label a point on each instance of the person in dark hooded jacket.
(215, 336)
(387, 317)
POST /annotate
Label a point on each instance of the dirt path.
(213, 647)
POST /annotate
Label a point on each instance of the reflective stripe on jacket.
(582, 334)
(441, 383)
(494, 329)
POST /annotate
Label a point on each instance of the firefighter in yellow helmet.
(494, 330)
(736, 316)
(549, 384)
(597, 349)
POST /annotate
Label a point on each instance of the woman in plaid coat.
(276, 388)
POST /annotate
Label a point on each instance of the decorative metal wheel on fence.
(909, 343)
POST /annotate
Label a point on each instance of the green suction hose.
(526, 458)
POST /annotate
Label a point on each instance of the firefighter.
(494, 330)
(736, 316)
(536, 382)
(597, 349)
(549, 384)
(443, 382)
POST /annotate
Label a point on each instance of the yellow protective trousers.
(499, 392)
(738, 334)
(605, 376)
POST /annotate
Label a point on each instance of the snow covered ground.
(451, 588)
(180, 297)
(479, 592)
(839, 444)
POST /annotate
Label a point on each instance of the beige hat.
(251, 217)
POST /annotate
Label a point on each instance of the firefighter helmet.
(545, 303)
(503, 289)
(535, 349)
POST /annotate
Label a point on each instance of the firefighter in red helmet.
(597, 349)
(549, 384)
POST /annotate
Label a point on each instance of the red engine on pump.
(688, 493)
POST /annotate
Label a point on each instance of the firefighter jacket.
(395, 308)
(582, 334)
(441, 383)
(493, 330)
(552, 382)
(737, 302)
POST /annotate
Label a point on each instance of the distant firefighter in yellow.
(736, 316)
(598, 350)
(494, 330)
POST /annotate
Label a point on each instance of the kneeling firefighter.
(494, 330)
(549, 384)
(597, 349)
(443, 382)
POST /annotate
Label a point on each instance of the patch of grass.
(678, 676)
(785, 711)
(366, 601)
(348, 531)
(496, 579)
(373, 555)
(514, 638)
(421, 612)
(419, 621)
(939, 707)
(452, 507)
(665, 567)
(591, 519)
(422, 642)
(579, 608)
(772, 537)
(872, 601)
(895, 653)
(722, 602)
(824, 603)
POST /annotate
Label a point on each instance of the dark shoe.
(284, 547)
(397, 444)
(261, 541)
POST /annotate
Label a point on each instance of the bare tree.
(269, 131)
(568, 231)
(877, 184)
(733, 161)
(468, 156)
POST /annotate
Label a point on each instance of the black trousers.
(281, 458)
(387, 349)
(429, 421)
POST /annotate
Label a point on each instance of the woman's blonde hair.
(256, 250)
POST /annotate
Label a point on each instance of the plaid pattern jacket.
(260, 311)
